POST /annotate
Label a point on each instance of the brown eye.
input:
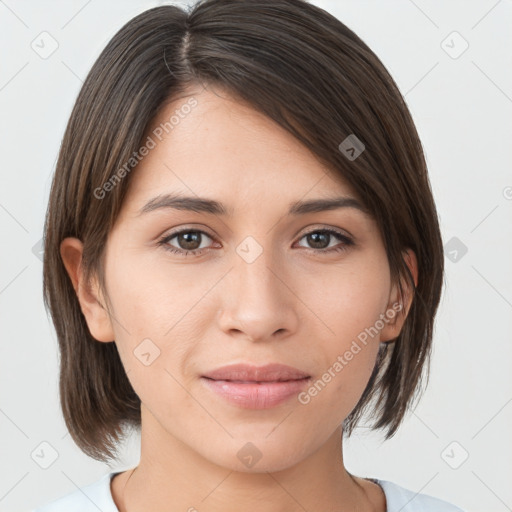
(320, 240)
(187, 241)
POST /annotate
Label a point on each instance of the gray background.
(461, 101)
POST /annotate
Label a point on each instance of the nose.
(258, 302)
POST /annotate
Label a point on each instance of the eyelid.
(304, 231)
(185, 227)
(324, 227)
(347, 241)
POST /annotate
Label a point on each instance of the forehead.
(207, 143)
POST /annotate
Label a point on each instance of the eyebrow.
(204, 205)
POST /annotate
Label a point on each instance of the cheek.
(159, 320)
(149, 297)
(337, 387)
(349, 299)
(349, 305)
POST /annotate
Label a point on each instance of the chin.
(259, 454)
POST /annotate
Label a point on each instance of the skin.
(295, 304)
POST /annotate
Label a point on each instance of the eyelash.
(347, 242)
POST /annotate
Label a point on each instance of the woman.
(242, 257)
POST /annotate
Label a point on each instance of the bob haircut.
(307, 71)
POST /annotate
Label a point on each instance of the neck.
(173, 477)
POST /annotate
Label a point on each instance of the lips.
(247, 373)
(252, 387)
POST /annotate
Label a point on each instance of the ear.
(398, 307)
(89, 294)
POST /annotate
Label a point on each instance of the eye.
(188, 241)
(321, 239)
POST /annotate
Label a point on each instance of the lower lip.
(251, 395)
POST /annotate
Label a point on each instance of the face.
(192, 291)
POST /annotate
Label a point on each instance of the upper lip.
(246, 372)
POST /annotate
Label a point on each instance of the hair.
(308, 72)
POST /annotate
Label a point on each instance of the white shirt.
(98, 496)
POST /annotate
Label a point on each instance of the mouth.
(252, 387)
(255, 381)
(274, 372)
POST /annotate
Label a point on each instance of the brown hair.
(307, 71)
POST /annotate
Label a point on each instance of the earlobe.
(88, 294)
(398, 307)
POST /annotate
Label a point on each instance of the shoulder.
(90, 498)
(403, 500)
